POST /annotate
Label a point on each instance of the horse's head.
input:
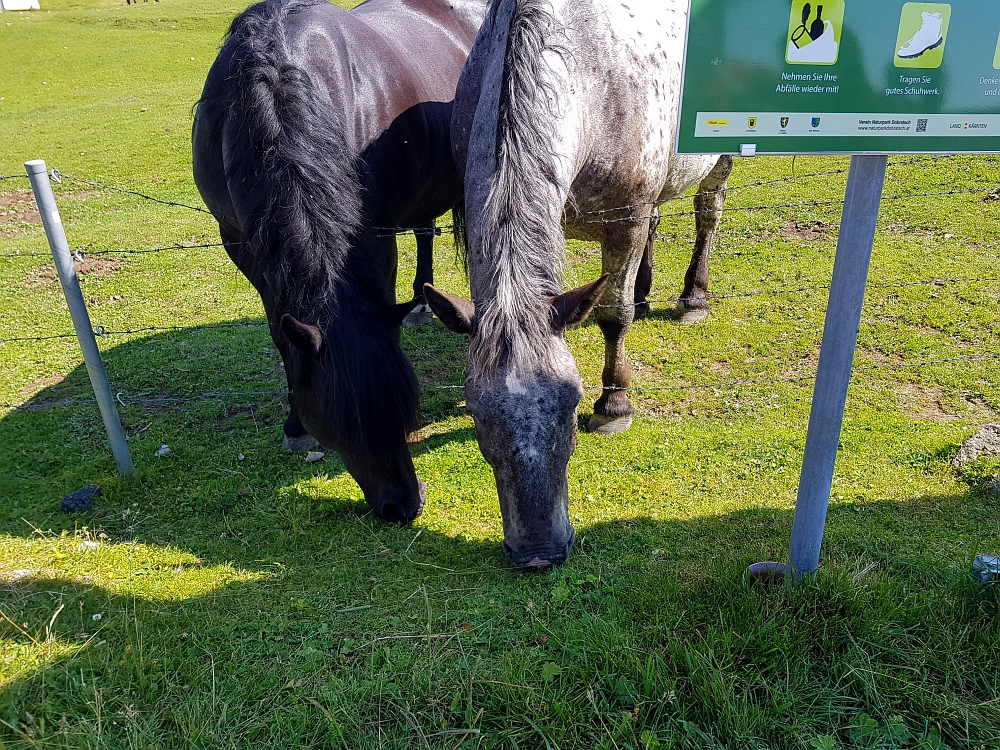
(353, 389)
(526, 425)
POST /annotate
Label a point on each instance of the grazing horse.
(318, 128)
(565, 113)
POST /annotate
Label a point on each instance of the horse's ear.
(397, 313)
(572, 307)
(455, 312)
(306, 338)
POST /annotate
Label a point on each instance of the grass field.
(233, 596)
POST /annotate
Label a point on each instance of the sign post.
(839, 77)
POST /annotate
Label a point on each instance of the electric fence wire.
(102, 332)
(82, 253)
(718, 385)
(382, 232)
(58, 176)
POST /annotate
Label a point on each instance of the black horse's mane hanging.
(292, 172)
(301, 182)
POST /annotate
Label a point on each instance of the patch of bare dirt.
(18, 213)
(93, 267)
(35, 386)
(932, 404)
(804, 231)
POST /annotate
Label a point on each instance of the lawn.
(231, 595)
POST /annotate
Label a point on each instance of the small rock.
(314, 456)
(986, 568)
(240, 457)
(162, 450)
(986, 442)
(87, 546)
(81, 500)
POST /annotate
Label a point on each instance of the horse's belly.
(685, 171)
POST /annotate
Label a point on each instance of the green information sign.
(841, 76)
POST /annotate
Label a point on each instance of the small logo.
(965, 126)
(784, 122)
(716, 123)
(751, 122)
(815, 122)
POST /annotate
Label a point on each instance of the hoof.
(420, 315)
(603, 425)
(302, 444)
(694, 316)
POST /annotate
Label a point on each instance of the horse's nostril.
(393, 512)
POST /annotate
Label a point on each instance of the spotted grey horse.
(318, 131)
(565, 120)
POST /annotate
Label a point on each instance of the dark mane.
(301, 209)
(292, 172)
(523, 237)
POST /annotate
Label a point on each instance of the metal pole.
(78, 311)
(840, 336)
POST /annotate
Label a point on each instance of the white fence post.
(78, 311)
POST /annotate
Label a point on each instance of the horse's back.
(634, 54)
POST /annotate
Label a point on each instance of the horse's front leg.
(708, 211)
(621, 252)
(421, 314)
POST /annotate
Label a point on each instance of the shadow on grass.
(247, 599)
(297, 621)
(194, 387)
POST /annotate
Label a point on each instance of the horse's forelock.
(371, 391)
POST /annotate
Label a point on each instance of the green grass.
(216, 602)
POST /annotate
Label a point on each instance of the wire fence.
(652, 212)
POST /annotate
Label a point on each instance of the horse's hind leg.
(421, 314)
(708, 211)
(622, 251)
(644, 277)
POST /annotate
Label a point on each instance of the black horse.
(318, 128)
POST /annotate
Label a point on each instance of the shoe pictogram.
(814, 32)
(928, 37)
(923, 28)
